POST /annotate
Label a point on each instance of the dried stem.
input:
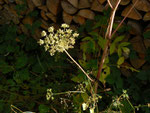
(110, 4)
(13, 107)
(108, 37)
(124, 18)
(79, 66)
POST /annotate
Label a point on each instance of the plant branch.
(13, 107)
(124, 18)
(79, 66)
(110, 4)
(108, 37)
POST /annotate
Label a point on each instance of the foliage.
(27, 72)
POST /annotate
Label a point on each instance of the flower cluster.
(81, 87)
(62, 39)
(91, 103)
(49, 94)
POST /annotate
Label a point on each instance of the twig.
(124, 18)
(110, 4)
(12, 106)
(79, 66)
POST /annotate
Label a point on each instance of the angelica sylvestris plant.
(60, 41)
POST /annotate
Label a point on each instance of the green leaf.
(101, 42)
(43, 108)
(119, 82)
(28, 26)
(120, 61)
(94, 34)
(112, 78)
(88, 45)
(37, 68)
(101, 22)
(78, 79)
(126, 50)
(3, 48)
(10, 48)
(87, 39)
(142, 75)
(5, 68)
(22, 75)
(92, 64)
(82, 63)
(21, 61)
(22, 38)
(31, 44)
(33, 13)
(124, 44)
(146, 34)
(85, 96)
(118, 39)
(119, 51)
(105, 73)
(11, 33)
(36, 24)
(112, 48)
(88, 25)
(121, 29)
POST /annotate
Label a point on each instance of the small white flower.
(49, 90)
(52, 42)
(41, 42)
(46, 47)
(84, 106)
(72, 40)
(48, 96)
(43, 33)
(51, 29)
(65, 26)
(91, 110)
(69, 31)
(75, 35)
(60, 31)
(50, 35)
(47, 40)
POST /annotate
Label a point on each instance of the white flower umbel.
(60, 41)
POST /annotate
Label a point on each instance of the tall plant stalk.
(108, 37)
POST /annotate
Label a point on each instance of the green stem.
(131, 104)
(68, 92)
(14, 107)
